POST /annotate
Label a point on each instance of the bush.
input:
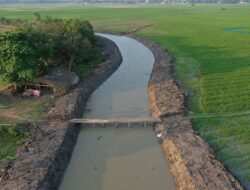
(18, 130)
(28, 52)
(75, 43)
(23, 55)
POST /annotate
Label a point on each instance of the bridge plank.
(116, 121)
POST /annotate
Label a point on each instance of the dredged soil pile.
(192, 162)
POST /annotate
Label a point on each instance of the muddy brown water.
(120, 158)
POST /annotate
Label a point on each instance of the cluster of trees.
(33, 47)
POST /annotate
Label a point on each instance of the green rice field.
(211, 46)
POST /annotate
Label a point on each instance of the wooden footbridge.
(116, 121)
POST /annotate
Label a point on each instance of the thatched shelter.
(58, 80)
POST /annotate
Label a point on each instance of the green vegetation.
(229, 137)
(12, 134)
(20, 56)
(211, 47)
(28, 51)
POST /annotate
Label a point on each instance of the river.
(121, 158)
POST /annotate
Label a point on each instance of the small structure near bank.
(57, 82)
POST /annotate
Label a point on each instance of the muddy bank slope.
(40, 163)
(192, 162)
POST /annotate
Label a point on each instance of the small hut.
(58, 81)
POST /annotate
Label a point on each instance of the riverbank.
(108, 158)
(192, 163)
(40, 163)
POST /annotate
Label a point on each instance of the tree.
(22, 56)
(27, 52)
(75, 40)
(16, 58)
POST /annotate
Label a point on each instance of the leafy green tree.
(75, 40)
(43, 46)
(32, 47)
(16, 58)
(23, 56)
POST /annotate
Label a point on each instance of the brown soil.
(35, 158)
(41, 162)
(192, 163)
(9, 113)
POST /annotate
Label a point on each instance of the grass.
(12, 134)
(33, 109)
(84, 70)
(229, 137)
(13, 130)
(211, 47)
(26, 109)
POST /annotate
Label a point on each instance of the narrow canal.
(124, 158)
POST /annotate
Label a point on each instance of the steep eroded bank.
(108, 158)
(192, 162)
(40, 163)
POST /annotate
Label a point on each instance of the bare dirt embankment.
(40, 163)
(192, 162)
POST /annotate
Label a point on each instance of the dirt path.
(11, 114)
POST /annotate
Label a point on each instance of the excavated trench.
(124, 158)
(110, 158)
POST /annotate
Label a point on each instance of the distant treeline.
(125, 1)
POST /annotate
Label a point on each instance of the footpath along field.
(211, 46)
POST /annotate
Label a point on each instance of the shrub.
(75, 43)
(23, 55)
(32, 47)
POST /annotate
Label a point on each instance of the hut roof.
(60, 80)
